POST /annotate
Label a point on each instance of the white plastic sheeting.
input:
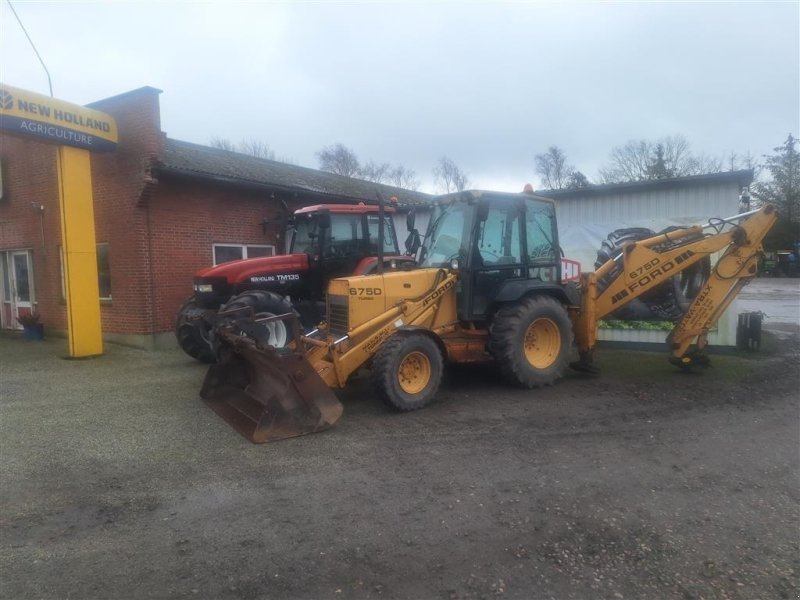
(586, 219)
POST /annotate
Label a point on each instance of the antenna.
(25, 31)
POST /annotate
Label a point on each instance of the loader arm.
(335, 360)
(646, 264)
(268, 394)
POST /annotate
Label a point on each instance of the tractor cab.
(502, 245)
(340, 235)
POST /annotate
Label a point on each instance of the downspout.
(151, 273)
(145, 195)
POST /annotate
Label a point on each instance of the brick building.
(163, 209)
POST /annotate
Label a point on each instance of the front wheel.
(407, 371)
(531, 341)
(262, 304)
(193, 333)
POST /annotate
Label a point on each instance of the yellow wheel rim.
(542, 343)
(414, 372)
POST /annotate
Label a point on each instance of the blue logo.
(6, 100)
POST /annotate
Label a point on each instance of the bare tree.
(339, 159)
(251, 147)
(553, 169)
(671, 156)
(379, 173)
(256, 148)
(448, 177)
(748, 161)
(627, 163)
(223, 144)
(404, 178)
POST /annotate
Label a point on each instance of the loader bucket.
(267, 395)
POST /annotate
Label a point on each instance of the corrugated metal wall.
(580, 217)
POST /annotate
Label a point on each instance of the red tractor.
(324, 242)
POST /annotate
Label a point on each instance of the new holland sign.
(63, 123)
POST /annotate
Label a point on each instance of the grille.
(338, 315)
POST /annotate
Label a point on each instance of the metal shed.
(587, 215)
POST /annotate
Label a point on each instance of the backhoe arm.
(734, 270)
(646, 264)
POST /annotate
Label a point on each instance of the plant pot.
(33, 332)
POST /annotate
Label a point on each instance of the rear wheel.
(262, 304)
(194, 334)
(407, 371)
(531, 341)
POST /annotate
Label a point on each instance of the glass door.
(17, 287)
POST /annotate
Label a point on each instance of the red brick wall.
(30, 181)
(119, 180)
(29, 169)
(186, 219)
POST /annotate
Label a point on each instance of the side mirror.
(324, 220)
(413, 243)
(410, 220)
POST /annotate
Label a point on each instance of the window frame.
(243, 248)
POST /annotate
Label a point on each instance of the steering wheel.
(492, 256)
(335, 251)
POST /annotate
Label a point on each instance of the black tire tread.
(384, 371)
(190, 338)
(665, 301)
(507, 328)
(259, 301)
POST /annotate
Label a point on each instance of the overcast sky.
(488, 84)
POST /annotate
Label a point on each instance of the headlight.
(203, 288)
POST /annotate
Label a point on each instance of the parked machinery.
(487, 287)
(324, 241)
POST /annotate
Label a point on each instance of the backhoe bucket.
(268, 395)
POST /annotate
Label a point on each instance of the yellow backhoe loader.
(487, 287)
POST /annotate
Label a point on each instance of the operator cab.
(502, 245)
(336, 238)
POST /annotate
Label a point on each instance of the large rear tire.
(194, 335)
(531, 341)
(263, 304)
(407, 371)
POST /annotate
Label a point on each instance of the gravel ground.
(644, 482)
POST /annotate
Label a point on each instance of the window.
(539, 226)
(389, 243)
(305, 235)
(345, 236)
(447, 234)
(498, 239)
(228, 252)
(103, 271)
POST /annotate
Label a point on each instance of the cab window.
(345, 235)
(539, 233)
(389, 243)
(498, 240)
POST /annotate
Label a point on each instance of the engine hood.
(258, 270)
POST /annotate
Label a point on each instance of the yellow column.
(80, 252)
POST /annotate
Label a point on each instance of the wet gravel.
(117, 482)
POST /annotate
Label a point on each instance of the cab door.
(345, 246)
(497, 255)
